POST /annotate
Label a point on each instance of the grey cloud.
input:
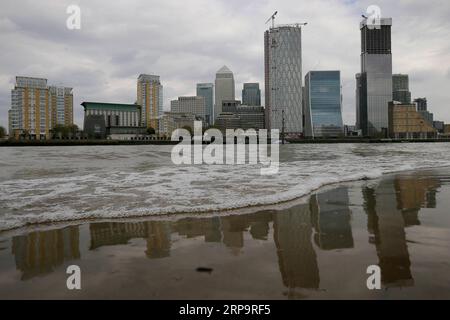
(186, 44)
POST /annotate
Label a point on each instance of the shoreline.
(250, 209)
(315, 249)
(68, 143)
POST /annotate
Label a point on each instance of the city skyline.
(234, 38)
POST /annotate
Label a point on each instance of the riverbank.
(44, 143)
(317, 247)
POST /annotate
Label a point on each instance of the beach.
(315, 247)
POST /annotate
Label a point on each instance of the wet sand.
(318, 249)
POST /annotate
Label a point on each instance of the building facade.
(375, 80)
(251, 94)
(283, 78)
(176, 120)
(206, 90)
(113, 120)
(405, 122)
(224, 89)
(234, 115)
(30, 114)
(323, 104)
(150, 97)
(61, 106)
(422, 107)
(400, 88)
(194, 105)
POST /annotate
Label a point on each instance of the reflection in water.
(391, 206)
(331, 217)
(39, 253)
(296, 255)
(414, 194)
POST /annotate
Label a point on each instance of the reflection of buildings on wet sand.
(386, 224)
(413, 194)
(157, 234)
(331, 215)
(391, 207)
(41, 252)
(229, 230)
(296, 256)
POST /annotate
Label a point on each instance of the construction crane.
(272, 17)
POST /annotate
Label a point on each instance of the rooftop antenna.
(272, 17)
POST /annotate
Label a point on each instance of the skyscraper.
(251, 95)
(323, 107)
(206, 90)
(150, 98)
(400, 88)
(37, 108)
(224, 89)
(375, 79)
(61, 106)
(283, 78)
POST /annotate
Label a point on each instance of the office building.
(176, 120)
(193, 105)
(237, 116)
(422, 107)
(251, 94)
(283, 78)
(375, 79)
(117, 121)
(405, 122)
(224, 89)
(400, 88)
(323, 104)
(150, 97)
(206, 90)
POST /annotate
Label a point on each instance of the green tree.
(2, 132)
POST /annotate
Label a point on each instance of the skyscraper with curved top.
(224, 89)
(283, 78)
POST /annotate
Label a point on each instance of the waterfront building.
(323, 104)
(405, 122)
(150, 97)
(237, 116)
(61, 106)
(224, 89)
(283, 78)
(374, 83)
(251, 94)
(175, 120)
(422, 108)
(400, 88)
(30, 113)
(194, 105)
(439, 126)
(206, 90)
(116, 121)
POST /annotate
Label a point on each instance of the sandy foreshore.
(318, 249)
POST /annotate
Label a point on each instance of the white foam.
(141, 181)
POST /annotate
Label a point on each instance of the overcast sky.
(186, 42)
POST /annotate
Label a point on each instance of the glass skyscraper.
(400, 88)
(251, 95)
(283, 78)
(323, 104)
(374, 83)
(206, 90)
